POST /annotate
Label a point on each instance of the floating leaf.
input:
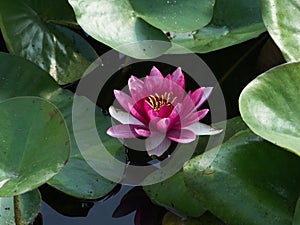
(270, 106)
(282, 21)
(175, 15)
(30, 29)
(116, 24)
(296, 220)
(25, 78)
(233, 22)
(30, 207)
(34, 144)
(247, 182)
(206, 219)
(173, 194)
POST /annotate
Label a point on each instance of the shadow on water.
(65, 210)
(124, 205)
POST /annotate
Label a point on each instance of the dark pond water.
(100, 213)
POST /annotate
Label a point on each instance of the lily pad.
(270, 106)
(296, 220)
(34, 145)
(116, 24)
(206, 219)
(175, 15)
(30, 207)
(25, 78)
(233, 22)
(31, 29)
(282, 21)
(248, 168)
(173, 194)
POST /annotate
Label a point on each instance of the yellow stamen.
(156, 102)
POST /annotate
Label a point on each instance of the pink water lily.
(160, 111)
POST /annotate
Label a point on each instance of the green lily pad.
(25, 78)
(30, 207)
(172, 193)
(296, 220)
(282, 21)
(251, 181)
(230, 127)
(115, 23)
(175, 15)
(34, 145)
(270, 106)
(31, 29)
(233, 22)
(206, 219)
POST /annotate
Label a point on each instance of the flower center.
(156, 101)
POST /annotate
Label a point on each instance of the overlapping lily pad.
(270, 106)
(116, 24)
(206, 219)
(77, 178)
(179, 197)
(247, 183)
(34, 144)
(296, 220)
(175, 15)
(173, 193)
(30, 207)
(32, 29)
(233, 22)
(282, 21)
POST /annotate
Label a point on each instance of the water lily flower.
(160, 111)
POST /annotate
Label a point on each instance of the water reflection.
(81, 212)
(122, 206)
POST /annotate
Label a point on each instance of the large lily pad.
(296, 220)
(173, 194)
(30, 29)
(115, 23)
(25, 78)
(282, 21)
(175, 15)
(247, 183)
(206, 219)
(233, 22)
(34, 145)
(30, 207)
(270, 106)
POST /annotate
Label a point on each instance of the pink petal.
(156, 73)
(163, 125)
(143, 132)
(206, 93)
(175, 115)
(203, 129)
(137, 115)
(197, 95)
(152, 84)
(157, 144)
(202, 113)
(188, 105)
(123, 99)
(181, 135)
(165, 111)
(194, 117)
(178, 78)
(136, 88)
(123, 131)
(151, 113)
